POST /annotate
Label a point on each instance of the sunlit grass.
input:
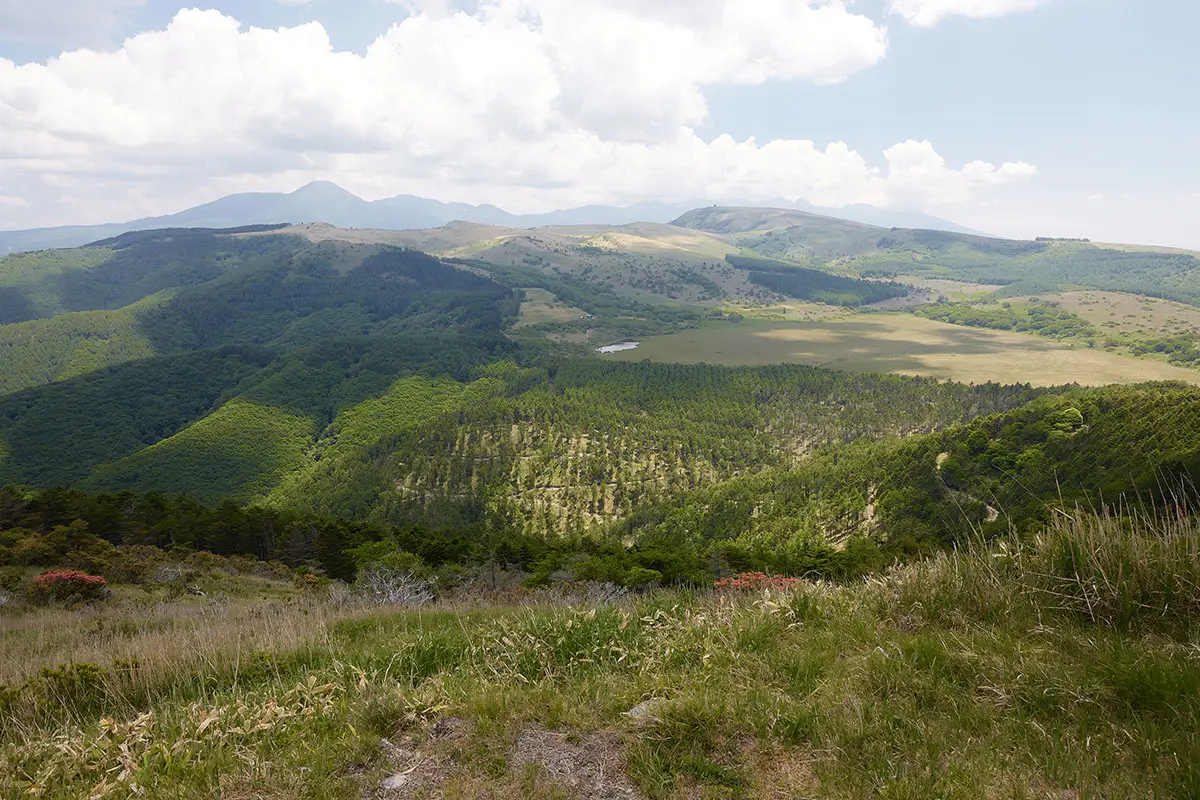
(1064, 666)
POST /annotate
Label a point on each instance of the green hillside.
(815, 285)
(55, 435)
(58, 434)
(339, 474)
(239, 452)
(568, 447)
(47, 350)
(28, 281)
(996, 474)
(166, 292)
(305, 296)
(118, 272)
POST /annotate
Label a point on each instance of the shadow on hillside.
(883, 348)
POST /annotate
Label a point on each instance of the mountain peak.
(325, 190)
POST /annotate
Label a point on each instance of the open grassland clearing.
(1063, 667)
(1145, 248)
(792, 310)
(954, 290)
(902, 344)
(541, 306)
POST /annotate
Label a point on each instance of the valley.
(902, 344)
(266, 444)
(599, 400)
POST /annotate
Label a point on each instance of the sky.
(1020, 118)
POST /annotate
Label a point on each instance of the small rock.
(395, 783)
(646, 711)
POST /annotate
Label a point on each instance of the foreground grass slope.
(1060, 667)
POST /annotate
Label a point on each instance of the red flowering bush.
(68, 586)
(755, 582)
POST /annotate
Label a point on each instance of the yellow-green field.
(792, 310)
(954, 290)
(907, 345)
(540, 306)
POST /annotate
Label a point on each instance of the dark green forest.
(1042, 267)
(1037, 318)
(814, 285)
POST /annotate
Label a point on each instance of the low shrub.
(10, 579)
(73, 687)
(68, 586)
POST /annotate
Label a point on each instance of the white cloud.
(917, 174)
(1096, 198)
(926, 13)
(61, 22)
(527, 103)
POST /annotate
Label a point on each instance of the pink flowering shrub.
(68, 586)
(754, 582)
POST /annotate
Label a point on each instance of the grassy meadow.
(902, 344)
(954, 290)
(541, 306)
(1061, 667)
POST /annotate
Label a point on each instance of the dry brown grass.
(167, 641)
(906, 345)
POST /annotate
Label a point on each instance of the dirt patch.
(592, 767)
(421, 772)
(587, 766)
(784, 773)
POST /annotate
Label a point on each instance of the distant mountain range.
(327, 202)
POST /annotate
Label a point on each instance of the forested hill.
(851, 509)
(863, 505)
(162, 293)
(569, 446)
(394, 428)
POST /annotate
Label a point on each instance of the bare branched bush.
(600, 592)
(389, 587)
(5, 598)
(166, 573)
